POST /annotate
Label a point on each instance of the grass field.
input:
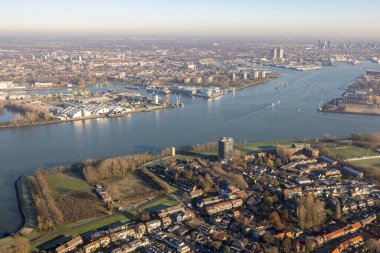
(263, 146)
(161, 203)
(64, 183)
(347, 152)
(368, 163)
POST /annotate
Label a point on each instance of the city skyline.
(340, 19)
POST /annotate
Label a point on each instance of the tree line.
(204, 182)
(370, 140)
(48, 216)
(236, 179)
(95, 170)
(162, 184)
(28, 113)
(207, 147)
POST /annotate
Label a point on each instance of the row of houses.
(351, 228)
(348, 243)
(103, 239)
(132, 246)
(223, 206)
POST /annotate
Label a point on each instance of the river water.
(244, 115)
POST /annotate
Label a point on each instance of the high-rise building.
(273, 53)
(173, 151)
(280, 53)
(155, 98)
(225, 148)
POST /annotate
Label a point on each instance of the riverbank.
(26, 206)
(3, 125)
(255, 83)
(360, 111)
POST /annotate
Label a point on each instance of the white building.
(155, 98)
(42, 85)
(5, 85)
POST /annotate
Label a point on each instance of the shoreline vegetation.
(24, 120)
(47, 205)
(32, 115)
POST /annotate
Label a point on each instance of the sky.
(282, 18)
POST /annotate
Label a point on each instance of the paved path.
(363, 158)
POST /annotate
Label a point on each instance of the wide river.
(244, 115)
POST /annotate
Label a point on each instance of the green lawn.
(215, 153)
(186, 157)
(94, 225)
(161, 203)
(263, 146)
(373, 163)
(347, 152)
(64, 183)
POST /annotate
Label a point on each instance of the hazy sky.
(337, 18)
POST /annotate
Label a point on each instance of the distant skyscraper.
(225, 148)
(273, 53)
(280, 53)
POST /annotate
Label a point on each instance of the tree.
(114, 191)
(278, 162)
(216, 245)
(309, 244)
(268, 237)
(373, 245)
(144, 216)
(283, 151)
(310, 212)
(226, 249)
(236, 154)
(165, 152)
(270, 164)
(274, 218)
(338, 214)
(287, 245)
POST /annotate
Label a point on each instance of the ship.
(131, 87)
(158, 89)
(210, 92)
(281, 86)
(274, 104)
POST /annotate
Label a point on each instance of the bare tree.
(310, 212)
